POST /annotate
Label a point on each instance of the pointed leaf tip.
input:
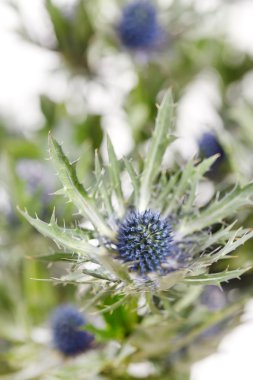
(160, 140)
(74, 190)
(115, 172)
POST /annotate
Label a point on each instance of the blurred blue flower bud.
(139, 28)
(68, 336)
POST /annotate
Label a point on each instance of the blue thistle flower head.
(146, 240)
(209, 146)
(68, 336)
(139, 28)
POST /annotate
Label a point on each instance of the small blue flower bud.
(68, 336)
(139, 28)
(209, 146)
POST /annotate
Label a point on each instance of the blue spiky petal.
(139, 28)
(68, 336)
(146, 240)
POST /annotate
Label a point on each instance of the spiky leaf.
(63, 237)
(158, 145)
(114, 172)
(74, 190)
(219, 210)
(215, 278)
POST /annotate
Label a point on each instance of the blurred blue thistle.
(68, 337)
(209, 145)
(139, 28)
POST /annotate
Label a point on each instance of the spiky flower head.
(68, 336)
(139, 28)
(145, 239)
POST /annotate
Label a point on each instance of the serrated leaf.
(158, 145)
(198, 173)
(187, 184)
(215, 278)
(102, 186)
(220, 236)
(63, 237)
(74, 190)
(219, 210)
(114, 172)
(236, 239)
(134, 180)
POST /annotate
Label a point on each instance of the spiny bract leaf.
(101, 184)
(219, 210)
(74, 190)
(236, 239)
(63, 237)
(187, 184)
(215, 278)
(114, 172)
(158, 145)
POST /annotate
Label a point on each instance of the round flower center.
(144, 239)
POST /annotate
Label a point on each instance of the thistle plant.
(143, 250)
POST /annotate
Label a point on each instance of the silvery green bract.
(164, 308)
